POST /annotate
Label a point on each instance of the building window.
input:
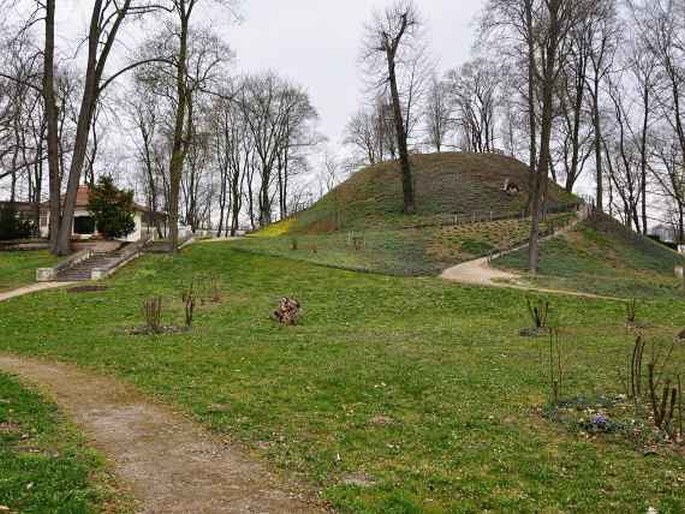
(84, 225)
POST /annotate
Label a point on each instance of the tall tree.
(438, 114)
(106, 20)
(541, 29)
(389, 41)
(51, 117)
(603, 35)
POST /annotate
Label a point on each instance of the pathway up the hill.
(479, 272)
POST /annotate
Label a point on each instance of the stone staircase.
(98, 261)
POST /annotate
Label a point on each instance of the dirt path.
(479, 272)
(170, 464)
(33, 288)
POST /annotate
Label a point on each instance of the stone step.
(99, 260)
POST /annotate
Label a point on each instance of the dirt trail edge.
(170, 464)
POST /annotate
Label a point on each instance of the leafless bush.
(214, 289)
(538, 310)
(152, 310)
(189, 305)
(556, 370)
(631, 313)
(635, 374)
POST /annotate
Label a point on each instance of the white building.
(84, 226)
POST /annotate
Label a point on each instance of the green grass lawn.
(412, 252)
(603, 257)
(19, 268)
(423, 390)
(44, 464)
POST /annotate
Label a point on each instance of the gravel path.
(33, 288)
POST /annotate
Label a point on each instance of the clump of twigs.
(214, 289)
(556, 369)
(664, 390)
(188, 298)
(288, 311)
(635, 369)
(152, 311)
(538, 310)
(631, 313)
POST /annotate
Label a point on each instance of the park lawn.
(19, 268)
(602, 257)
(44, 463)
(392, 395)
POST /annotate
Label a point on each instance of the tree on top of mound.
(112, 209)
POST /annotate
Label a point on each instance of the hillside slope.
(601, 256)
(463, 213)
(447, 184)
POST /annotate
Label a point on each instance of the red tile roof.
(82, 194)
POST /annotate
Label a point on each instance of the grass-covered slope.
(601, 256)
(394, 395)
(360, 225)
(446, 184)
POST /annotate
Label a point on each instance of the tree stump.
(288, 311)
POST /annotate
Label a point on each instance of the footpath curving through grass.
(394, 394)
(44, 464)
(603, 257)
(18, 268)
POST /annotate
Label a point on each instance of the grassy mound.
(602, 256)
(462, 213)
(468, 186)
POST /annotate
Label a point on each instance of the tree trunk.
(532, 121)
(540, 177)
(643, 157)
(178, 147)
(51, 116)
(407, 184)
(599, 175)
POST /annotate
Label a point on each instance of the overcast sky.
(317, 44)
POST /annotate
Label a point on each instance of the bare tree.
(542, 30)
(277, 114)
(390, 38)
(438, 114)
(107, 17)
(473, 90)
(361, 133)
(602, 35)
